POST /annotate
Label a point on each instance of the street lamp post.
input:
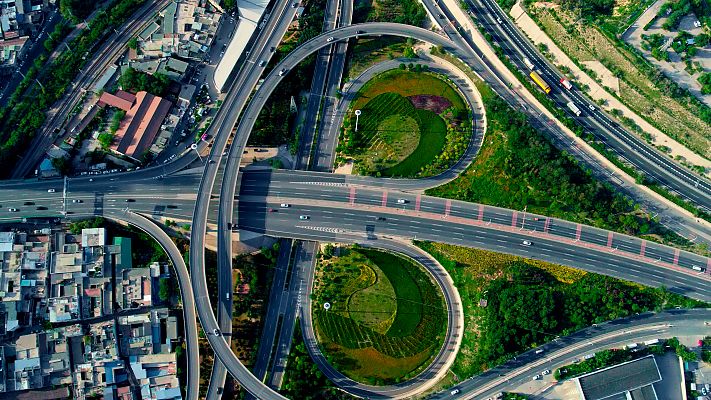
(194, 146)
(357, 114)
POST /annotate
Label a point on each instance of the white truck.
(566, 83)
(651, 342)
(528, 63)
(574, 108)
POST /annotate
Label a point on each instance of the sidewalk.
(597, 92)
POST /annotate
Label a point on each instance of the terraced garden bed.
(386, 318)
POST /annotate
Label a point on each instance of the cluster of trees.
(705, 81)
(527, 170)
(530, 307)
(24, 114)
(61, 30)
(303, 379)
(409, 12)
(76, 10)
(136, 81)
(678, 10)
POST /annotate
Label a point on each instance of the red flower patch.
(433, 103)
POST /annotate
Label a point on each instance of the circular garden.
(412, 123)
(387, 317)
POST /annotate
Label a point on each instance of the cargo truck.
(540, 82)
(574, 108)
(566, 83)
(528, 63)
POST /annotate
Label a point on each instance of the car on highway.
(330, 39)
(227, 295)
(77, 201)
(360, 32)
(401, 201)
(29, 203)
(453, 392)
(591, 107)
(12, 209)
(537, 377)
(51, 190)
(40, 208)
(130, 200)
(302, 217)
(546, 372)
(216, 332)
(282, 72)
(295, 5)
(380, 218)
(527, 243)
(262, 63)
(284, 205)
(539, 351)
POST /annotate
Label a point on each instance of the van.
(697, 268)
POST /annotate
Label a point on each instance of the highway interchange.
(347, 207)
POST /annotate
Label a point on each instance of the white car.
(302, 217)
(282, 72)
(77, 201)
(527, 243)
(537, 377)
(546, 372)
(330, 39)
(262, 63)
(591, 107)
(401, 201)
(216, 332)
(50, 190)
(284, 205)
(12, 209)
(453, 392)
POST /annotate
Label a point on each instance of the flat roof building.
(631, 380)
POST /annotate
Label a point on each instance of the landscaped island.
(386, 317)
(412, 123)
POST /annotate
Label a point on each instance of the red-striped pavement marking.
(352, 196)
(447, 207)
(708, 265)
(417, 202)
(514, 216)
(546, 225)
(609, 239)
(384, 203)
(578, 231)
(676, 257)
(481, 212)
(642, 247)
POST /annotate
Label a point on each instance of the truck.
(574, 108)
(631, 346)
(566, 83)
(540, 82)
(528, 63)
(651, 342)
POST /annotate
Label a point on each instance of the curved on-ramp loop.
(248, 118)
(441, 362)
(190, 319)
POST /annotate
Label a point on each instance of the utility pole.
(523, 222)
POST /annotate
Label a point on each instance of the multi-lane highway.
(566, 350)
(631, 148)
(323, 197)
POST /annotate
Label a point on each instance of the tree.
(165, 289)
(133, 44)
(76, 10)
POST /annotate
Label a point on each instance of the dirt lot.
(675, 68)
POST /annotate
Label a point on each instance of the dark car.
(29, 203)
(380, 218)
(41, 208)
(130, 201)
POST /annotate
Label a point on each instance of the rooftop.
(615, 381)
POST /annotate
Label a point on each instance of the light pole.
(357, 113)
(194, 146)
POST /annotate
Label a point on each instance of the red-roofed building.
(138, 129)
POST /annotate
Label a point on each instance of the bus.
(540, 82)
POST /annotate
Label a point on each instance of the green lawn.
(431, 143)
(384, 309)
(396, 138)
